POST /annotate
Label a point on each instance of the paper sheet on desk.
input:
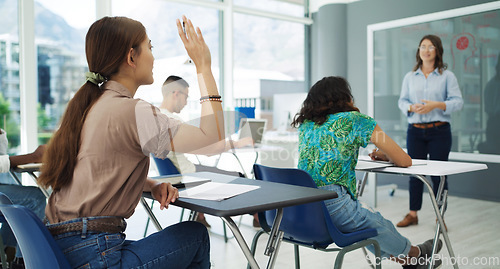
(216, 191)
(365, 162)
(30, 165)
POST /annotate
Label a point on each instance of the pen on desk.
(179, 185)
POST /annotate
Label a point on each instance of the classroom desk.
(432, 168)
(268, 197)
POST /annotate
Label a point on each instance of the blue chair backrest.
(4, 200)
(308, 224)
(165, 167)
(39, 248)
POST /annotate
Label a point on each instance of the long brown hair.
(438, 63)
(328, 96)
(107, 43)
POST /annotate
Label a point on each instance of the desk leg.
(440, 220)
(151, 215)
(241, 241)
(362, 183)
(254, 161)
(275, 238)
(13, 174)
(44, 191)
(32, 174)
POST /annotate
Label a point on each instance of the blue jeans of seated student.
(434, 143)
(350, 215)
(183, 245)
(28, 196)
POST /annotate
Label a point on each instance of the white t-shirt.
(4, 163)
(4, 158)
(179, 159)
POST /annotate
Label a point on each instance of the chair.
(165, 166)
(39, 248)
(310, 224)
(3, 256)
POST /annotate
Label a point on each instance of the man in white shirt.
(175, 91)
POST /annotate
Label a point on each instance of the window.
(287, 7)
(170, 55)
(268, 60)
(9, 75)
(60, 28)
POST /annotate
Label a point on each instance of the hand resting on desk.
(388, 150)
(162, 192)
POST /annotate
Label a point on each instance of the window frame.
(28, 60)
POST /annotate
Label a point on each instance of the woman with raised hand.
(97, 161)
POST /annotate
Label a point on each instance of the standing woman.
(429, 95)
(97, 161)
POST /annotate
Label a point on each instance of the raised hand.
(194, 43)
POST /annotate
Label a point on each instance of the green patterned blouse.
(329, 152)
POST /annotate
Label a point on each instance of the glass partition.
(471, 49)
(60, 28)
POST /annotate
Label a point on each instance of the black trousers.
(433, 144)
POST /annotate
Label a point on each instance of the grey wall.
(329, 42)
(336, 23)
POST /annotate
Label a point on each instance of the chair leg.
(225, 232)
(297, 256)
(339, 260)
(147, 221)
(253, 248)
(340, 256)
(368, 258)
(2, 253)
(378, 255)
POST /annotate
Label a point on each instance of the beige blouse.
(117, 137)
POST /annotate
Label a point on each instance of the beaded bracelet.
(210, 99)
(210, 96)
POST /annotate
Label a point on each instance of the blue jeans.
(183, 245)
(434, 142)
(350, 215)
(28, 196)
